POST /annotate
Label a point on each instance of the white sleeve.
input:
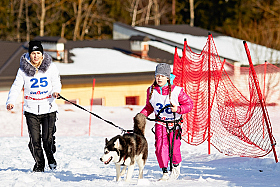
(16, 88)
(55, 78)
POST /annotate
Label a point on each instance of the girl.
(160, 94)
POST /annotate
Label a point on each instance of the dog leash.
(111, 123)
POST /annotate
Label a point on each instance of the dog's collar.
(124, 158)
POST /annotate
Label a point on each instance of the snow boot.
(38, 167)
(165, 175)
(52, 163)
(175, 172)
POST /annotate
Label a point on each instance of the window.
(76, 101)
(97, 101)
(132, 100)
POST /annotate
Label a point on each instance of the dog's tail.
(139, 124)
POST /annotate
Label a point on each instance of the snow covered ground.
(78, 154)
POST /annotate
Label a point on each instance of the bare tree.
(78, 19)
(193, 6)
(265, 30)
(19, 20)
(156, 13)
(41, 12)
(173, 12)
(42, 18)
(146, 10)
(82, 14)
(27, 21)
(147, 18)
(134, 14)
(191, 13)
(87, 14)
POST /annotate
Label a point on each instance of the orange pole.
(91, 103)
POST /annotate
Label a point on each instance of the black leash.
(157, 116)
(123, 130)
(172, 145)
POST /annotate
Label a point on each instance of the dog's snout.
(101, 160)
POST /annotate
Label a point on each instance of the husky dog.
(127, 149)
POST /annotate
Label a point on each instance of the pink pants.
(162, 146)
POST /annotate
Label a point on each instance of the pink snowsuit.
(184, 105)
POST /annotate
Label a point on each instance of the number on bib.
(36, 84)
(160, 106)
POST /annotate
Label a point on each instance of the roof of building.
(122, 46)
(10, 53)
(51, 39)
(229, 48)
(185, 29)
(130, 31)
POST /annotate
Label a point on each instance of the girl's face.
(161, 80)
(36, 57)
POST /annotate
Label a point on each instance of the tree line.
(256, 21)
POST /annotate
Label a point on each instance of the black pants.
(34, 123)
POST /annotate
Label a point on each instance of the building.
(116, 88)
(118, 81)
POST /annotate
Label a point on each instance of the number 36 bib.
(159, 101)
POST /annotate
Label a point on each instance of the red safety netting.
(268, 76)
(233, 123)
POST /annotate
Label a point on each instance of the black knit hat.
(163, 69)
(35, 46)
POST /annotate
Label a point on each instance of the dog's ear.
(117, 143)
(106, 141)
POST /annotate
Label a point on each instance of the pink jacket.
(186, 104)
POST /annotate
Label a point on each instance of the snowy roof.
(91, 60)
(103, 61)
(227, 47)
